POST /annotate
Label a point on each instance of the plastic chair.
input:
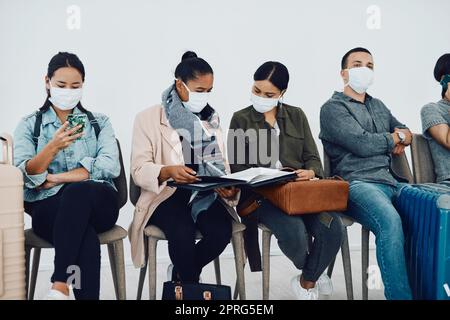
(422, 162)
(153, 234)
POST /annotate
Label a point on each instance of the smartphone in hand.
(75, 120)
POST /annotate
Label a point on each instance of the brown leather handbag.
(306, 197)
(249, 205)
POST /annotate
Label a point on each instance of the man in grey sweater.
(360, 134)
(436, 122)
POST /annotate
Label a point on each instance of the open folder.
(253, 177)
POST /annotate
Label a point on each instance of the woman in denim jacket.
(69, 191)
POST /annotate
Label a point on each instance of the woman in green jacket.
(277, 135)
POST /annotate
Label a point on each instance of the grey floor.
(282, 270)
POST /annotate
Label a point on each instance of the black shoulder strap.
(38, 123)
(37, 128)
(94, 123)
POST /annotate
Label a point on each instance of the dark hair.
(63, 60)
(191, 66)
(441, 69)
(275, 72)
(345, 57)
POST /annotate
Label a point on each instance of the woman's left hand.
(227, 193)
(53, 178)
(304, 175)
(52, 181)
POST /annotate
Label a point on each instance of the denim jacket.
(100, 157)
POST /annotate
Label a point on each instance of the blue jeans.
(371, 205)
(293, 232)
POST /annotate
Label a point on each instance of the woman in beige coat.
(181, 139)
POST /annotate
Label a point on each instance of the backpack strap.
(37, 128)
(94, 123)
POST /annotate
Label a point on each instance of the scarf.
(199, 144)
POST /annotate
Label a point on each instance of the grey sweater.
(433, 114)
(357, 138)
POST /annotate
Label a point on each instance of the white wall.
(130, 50)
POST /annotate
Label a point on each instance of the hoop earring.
(280, 101)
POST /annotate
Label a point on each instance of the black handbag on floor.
(195, 291)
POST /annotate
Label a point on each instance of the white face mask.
(263, 105)
(360, 79)
(197, 100)
(65, 99)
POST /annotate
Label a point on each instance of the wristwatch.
(401, 136)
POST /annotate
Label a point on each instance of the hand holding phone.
(75, 120)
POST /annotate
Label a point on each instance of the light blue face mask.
(444, 82)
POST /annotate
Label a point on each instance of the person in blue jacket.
(69, 191)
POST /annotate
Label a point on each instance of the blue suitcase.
(424, 210)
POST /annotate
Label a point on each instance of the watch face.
(402, 136)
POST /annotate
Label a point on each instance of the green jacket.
(297, 148)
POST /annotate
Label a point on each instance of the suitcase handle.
(7, 144)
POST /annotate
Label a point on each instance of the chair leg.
(365, 234)
(142, 274)
(347, 265)
(120, 270)
(27, 269)
(34, 272)
(143, 271)
(237, 241)
(266, 263)
(112, 263)
(236, 286)
(331, 267)
(217, 270)
(152, 244)
(310, 243)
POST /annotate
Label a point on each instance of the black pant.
(173, 217)
(70, 220)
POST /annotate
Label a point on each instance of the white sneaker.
(324, 285)
(56, 295)
(302, 293)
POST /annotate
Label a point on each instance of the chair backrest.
(401, 167)
(135, 191)
(422, 162)
(121, 181)
(326, 165)
(399, 164)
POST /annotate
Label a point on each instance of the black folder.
(210, 183)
